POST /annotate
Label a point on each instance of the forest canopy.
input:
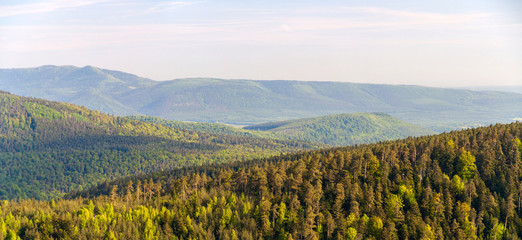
(50, 148)
(458, 185)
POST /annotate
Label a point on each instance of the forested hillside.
(335, 130)
(216, 128)
(247, 102)
(50, 148)
(344, 129)
(458, 185)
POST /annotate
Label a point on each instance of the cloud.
(43, 7)
(371, 18)
(345, 27)
(69, 37)
(167, 6)
(421, 16)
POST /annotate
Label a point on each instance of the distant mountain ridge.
(89, 86)
(246, 102)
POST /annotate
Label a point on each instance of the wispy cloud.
(69, 37)
(372, 18)
(423, 17)
(167, 6)
(349, 26)
(43, 7)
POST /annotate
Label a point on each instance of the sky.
(443, 43)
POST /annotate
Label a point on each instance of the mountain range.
(247, 102)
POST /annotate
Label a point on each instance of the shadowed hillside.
(49, 148)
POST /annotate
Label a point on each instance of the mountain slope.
(246, 102)
(338, 130)
(344, 129)
(216, 128)
(458, 185)
(48, 148)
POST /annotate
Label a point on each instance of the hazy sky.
(423, 42)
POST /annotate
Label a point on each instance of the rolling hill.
(247, 102)
(344, 129)
(336, 130)
(50, 148)
(216, 128)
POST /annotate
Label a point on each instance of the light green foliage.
(394, 207)
(80, 117)
(457, 184)
(466, 165)
(351, 233)
(373, 164)
(463, 211)
(365, 219)
(451, 144)
(352, 218)
(226, 216)
(40, 111)
(282, 214)
(110, 236)
(3, 228)
(12, 235)
(427, 233)
(497, 231)
(407, 193)
(375, 226)
(232, 200)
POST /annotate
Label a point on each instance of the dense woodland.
(216, 128)
(344, 129)
(50, 148)
(458, 185)
(333, 130)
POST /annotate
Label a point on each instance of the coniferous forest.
(458, 185)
